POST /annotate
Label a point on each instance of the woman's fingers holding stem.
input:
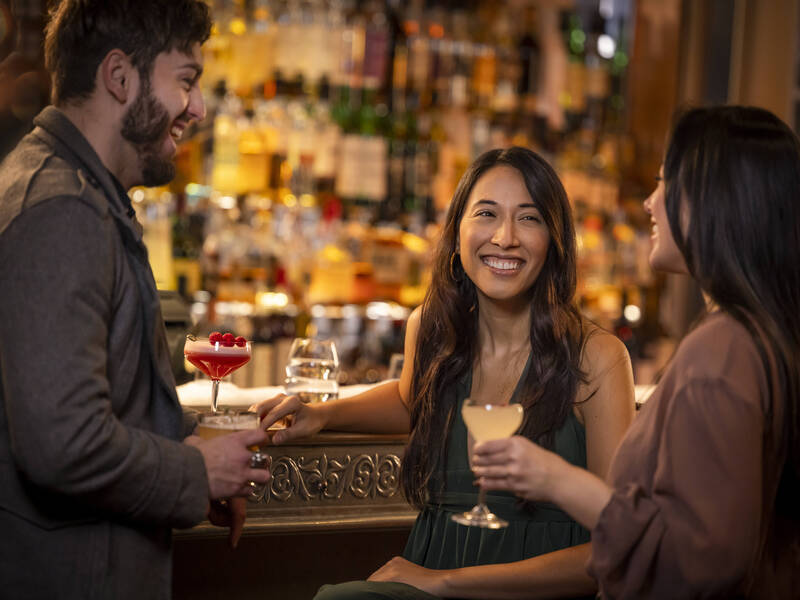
(515, 464)
(492, 452)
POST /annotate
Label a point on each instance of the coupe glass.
(211, 425)
(487, 422)
(216, 359)
(312, 369)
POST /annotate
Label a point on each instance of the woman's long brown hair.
(446, 345)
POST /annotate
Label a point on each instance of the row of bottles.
(384, 104)
(337, 131)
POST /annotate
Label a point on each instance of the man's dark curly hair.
(80, 33)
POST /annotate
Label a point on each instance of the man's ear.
(117, 75)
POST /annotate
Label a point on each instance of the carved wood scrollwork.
(310, 478)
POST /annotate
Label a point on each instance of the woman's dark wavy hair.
(80, 33)
(446, 345)
(735, 172)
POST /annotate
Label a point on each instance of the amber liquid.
(215, 425)
(492, 422)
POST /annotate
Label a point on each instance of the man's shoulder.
(34, 172)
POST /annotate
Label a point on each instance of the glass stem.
(482, 500)
(214, 392)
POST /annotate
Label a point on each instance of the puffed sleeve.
(691, 530)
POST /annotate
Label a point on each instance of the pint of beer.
(211, 425)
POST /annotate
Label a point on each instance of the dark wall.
(24, 83)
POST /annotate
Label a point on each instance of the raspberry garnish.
(240, 341)
(215, 337)
(228, 339)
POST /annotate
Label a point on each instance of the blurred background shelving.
(337, 132)
(309, 199)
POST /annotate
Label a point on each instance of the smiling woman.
(498, 325)
(503, 239)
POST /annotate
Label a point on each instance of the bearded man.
(97, 464)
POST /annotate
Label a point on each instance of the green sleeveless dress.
(437, 542)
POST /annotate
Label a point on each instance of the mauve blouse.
(695, 481)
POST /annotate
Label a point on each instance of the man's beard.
(144, 126)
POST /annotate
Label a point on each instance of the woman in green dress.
(498, 324)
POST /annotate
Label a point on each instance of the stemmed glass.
(217, 358)
(487, 422)
(312, 369)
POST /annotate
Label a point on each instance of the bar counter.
(332, 512)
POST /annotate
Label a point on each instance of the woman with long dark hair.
(703, 495)
(498, 324)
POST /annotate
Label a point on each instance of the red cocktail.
(217, 356)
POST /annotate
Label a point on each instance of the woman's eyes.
(527, 217)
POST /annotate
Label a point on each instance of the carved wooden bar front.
(332, 481)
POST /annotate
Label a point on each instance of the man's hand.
(227, 459)
(230, 512)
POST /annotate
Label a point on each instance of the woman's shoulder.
(413, 321)
(719, 347)
(717, 361)
(719, 326)
(601, 352)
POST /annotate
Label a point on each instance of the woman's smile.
(503, 265)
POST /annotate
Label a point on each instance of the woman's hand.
(518, 465)
(302, 420)
(402, 571)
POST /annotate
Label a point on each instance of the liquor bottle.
(441, 57)
(505, 97)
(574, 97)
(530, 58)
(597, 87)
(462, 60)
(392, 208)
(419, 63)
(326, 142)
(225, 174)
(376, 46)
(187, 243)
(410, 199)
(253, 172)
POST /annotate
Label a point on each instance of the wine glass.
(487, 422)
(312, 369)
(211, 425)
(217, 358)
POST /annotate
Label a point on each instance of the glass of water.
(312, 369)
